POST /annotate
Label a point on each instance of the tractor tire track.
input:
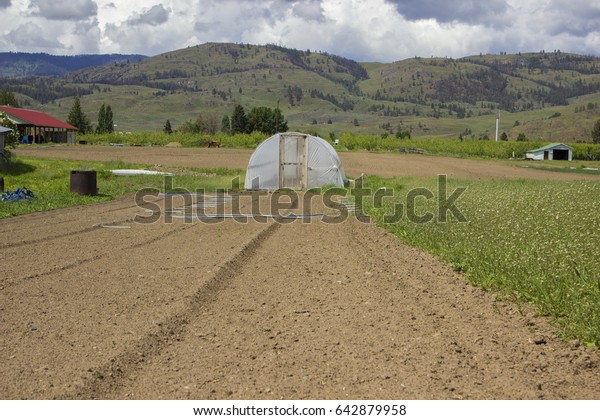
(95, 258)
(55, 330)
(53, 221)
(346, 312)
(109, 378)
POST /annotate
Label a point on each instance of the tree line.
(44, 89)
(79, 119)
(262, 119)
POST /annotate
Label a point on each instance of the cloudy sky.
(365, 30)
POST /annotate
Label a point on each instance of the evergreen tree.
(281, 125)
(78, 119)
(8, 98)
(596, 132)
(105, 120)
(239, 122)
(261, 119)
(226, 125)
(266, 120)
(108, 119)
(168, 129)
(100, 128)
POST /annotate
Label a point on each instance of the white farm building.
(296, 161)
(554, 151)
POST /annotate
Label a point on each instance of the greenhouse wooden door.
(293, 161)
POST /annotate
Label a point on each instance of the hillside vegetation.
(18, 65)
(545, 96)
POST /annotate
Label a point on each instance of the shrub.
(596, 132)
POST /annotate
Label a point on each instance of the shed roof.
(36, 118)
(550, 146)
(4, 129)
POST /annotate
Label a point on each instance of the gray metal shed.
(554, 151)
(3, 131)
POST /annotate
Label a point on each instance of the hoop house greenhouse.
(296, 161)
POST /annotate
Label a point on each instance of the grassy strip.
(564, 169)
(49, 179)
(535, 241)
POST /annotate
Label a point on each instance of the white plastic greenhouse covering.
(296, 161)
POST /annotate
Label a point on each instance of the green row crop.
(184, 139)
(535, 241)
(459, 148)
(349, 141)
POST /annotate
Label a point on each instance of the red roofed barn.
(37, 127)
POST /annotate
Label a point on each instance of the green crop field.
(349, 141)
(532, 241)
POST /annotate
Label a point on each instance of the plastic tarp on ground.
(295, 161)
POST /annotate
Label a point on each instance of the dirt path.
(355, 163)
(261, 309)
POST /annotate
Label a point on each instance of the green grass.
(534, 241)
(49, 179)
(565, 169)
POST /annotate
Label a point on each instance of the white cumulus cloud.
(154, 16)
(365, 30)
(71, 10)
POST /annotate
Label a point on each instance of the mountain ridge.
(321, 91)
(18, 64)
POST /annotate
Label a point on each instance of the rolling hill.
(552, 96)
(16, 65)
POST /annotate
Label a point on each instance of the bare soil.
(355, 163)
(96, 304)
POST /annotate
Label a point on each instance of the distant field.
(349, 141)
(355, 163)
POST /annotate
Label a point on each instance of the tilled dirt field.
(94, 304)
(355, 163)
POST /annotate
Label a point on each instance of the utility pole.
(497, 125)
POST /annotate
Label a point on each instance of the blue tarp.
(17, 195)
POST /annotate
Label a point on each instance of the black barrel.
(84, 182)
